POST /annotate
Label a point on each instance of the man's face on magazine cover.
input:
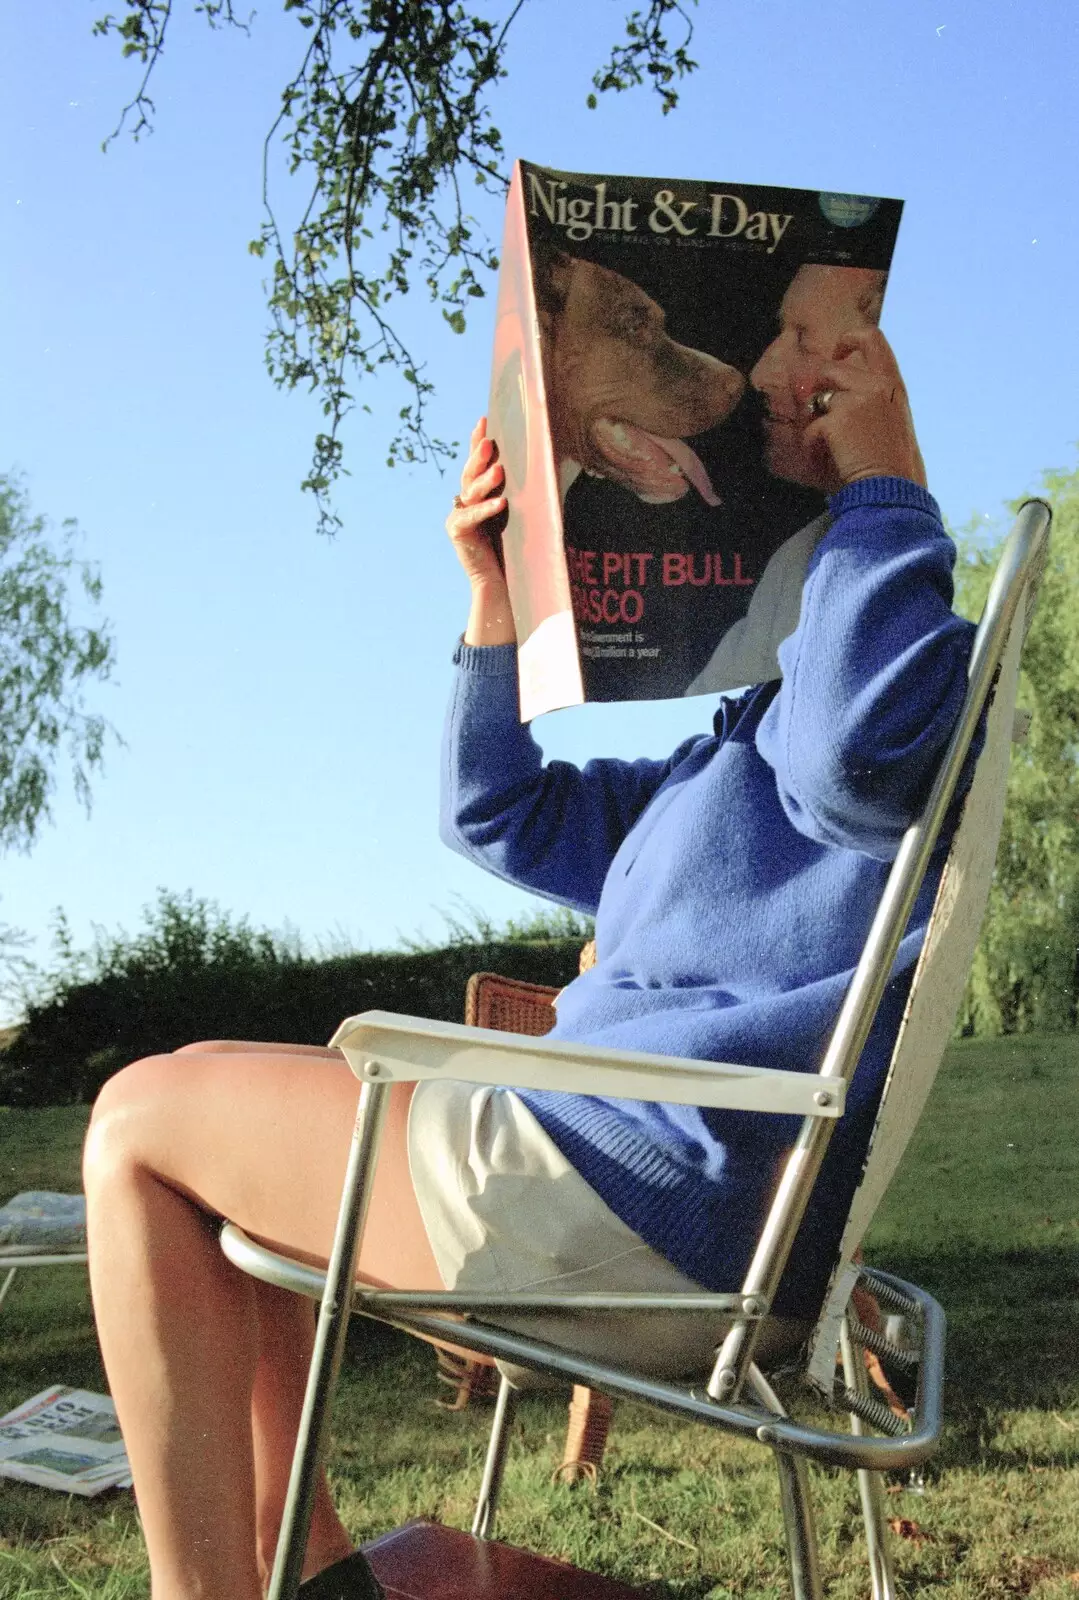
(820, 307)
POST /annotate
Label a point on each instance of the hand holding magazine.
(666, 358)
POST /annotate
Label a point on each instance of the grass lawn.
(985, 1214)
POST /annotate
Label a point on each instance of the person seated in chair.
(733, 885)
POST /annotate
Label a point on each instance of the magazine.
(66, 1439)
(658, 527)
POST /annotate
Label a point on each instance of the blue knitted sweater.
(734, 883)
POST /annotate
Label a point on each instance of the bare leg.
(262, 1048)
(205, 1366)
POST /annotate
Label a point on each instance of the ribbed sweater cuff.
(883, 492)
(488, 659)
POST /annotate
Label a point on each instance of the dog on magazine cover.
(623, 396)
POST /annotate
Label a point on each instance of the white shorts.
(505, 1210)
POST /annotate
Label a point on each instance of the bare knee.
(112, 1139)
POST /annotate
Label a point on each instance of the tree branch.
(391, 100)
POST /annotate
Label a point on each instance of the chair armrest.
(382, 1047)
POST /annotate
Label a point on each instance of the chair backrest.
(512, 1005)
(509, 1005)
(940, 975)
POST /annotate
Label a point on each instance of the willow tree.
(386, 124)
(52, 646)
(1025, 971)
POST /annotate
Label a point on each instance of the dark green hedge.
(74, 1041)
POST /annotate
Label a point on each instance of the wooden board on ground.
(425, 1561)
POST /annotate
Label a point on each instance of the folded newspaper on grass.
(658, 351)
(66, 1439)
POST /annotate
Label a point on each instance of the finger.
(475, 445)
(830, 382)
(817, 443)
(872, 346)
(841, 377)
(485, 484)
(464, 520)
(866, 386)
(851, 356)
(816, 434)
(483, 502)
(481, 456)
(477, 463)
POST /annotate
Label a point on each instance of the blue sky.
(280, 695)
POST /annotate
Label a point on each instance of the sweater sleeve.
(549, 827)
(874, 674)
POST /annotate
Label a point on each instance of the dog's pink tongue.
(693, 467)
(654, 468)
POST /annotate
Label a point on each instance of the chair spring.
(891, 1299)
(882, 1346)
(873, 1411)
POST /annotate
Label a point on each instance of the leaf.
(907, 1528)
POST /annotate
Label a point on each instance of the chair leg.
(869, 1483)
(9, 1279)
(586, 1436)
(799, 1527)
(313, 1432)
(798, 1520)
(483, 1523)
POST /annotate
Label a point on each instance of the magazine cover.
(652, 376)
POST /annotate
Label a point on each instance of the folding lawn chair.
(512, 1005)
(424, 1559)
(41, 1229)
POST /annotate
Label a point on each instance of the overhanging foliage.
(386, 120)
(47, 657)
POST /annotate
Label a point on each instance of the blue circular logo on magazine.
(848, 210)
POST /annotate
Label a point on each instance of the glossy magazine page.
(657, 356)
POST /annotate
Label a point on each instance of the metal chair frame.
(14, 1255)
(10, 1264)
(382, 1049)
